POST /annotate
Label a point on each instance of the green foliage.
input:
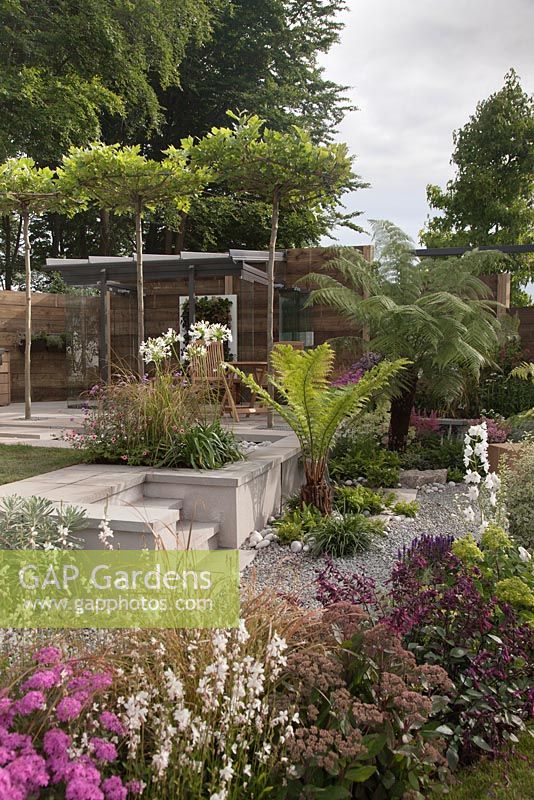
(354, 458)
(505, 569)
(162, 422)
(433, 313)
(204, 446)
(297, 523)
(68, 77)
(343, 535)
(250, 157)
(493, 156)
(455, 474)
(35, 523)
(368, 715)
(431, 452)
(19, 461)
(524, 371)
(406, 508)
(24, 187)
(519, 496)
(124, 180)
(349, 500)
(310, 405)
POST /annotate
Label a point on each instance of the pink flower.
(114, 789)
(7, 790)
(80, 789)
(103, 750)
(56, 742)
(48, 655)
(68, 709)
(33, 701)
(42, 679)
(111, 722)
(28, 773)
(134, 787)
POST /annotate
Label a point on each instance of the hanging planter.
(41, 342)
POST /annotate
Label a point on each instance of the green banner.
(119, 589)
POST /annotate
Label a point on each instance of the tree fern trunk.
(317, 494)
(401, 411)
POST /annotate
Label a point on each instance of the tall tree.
(277, 167)
(71, 72)
(27, 190)
(490, 199)
(123, 180)
(435, 314)
(262, 56)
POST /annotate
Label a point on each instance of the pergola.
(119, 272)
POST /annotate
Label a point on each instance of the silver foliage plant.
(35, 523)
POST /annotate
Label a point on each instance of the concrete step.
(153, 503)
(196, 536)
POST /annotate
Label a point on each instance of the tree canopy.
(490, 198)
(72, 72)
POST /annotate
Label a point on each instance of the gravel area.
(294, 573)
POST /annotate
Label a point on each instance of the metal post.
(191, 294)
(104, 329)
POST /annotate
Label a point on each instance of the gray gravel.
(294, 573)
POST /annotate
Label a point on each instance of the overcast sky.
(417, 69)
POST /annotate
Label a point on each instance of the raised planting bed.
(160, 507)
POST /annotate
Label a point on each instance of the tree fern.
(314, 408)
(434, 313)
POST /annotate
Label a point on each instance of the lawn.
(504, 779)
(18, 461)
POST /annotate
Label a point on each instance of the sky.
(417, 69)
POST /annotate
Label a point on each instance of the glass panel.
(82, 322)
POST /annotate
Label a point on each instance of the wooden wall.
(49, 372)
(526, 330)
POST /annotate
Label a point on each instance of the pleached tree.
(123, 180)
(287, 170)
(28, 191)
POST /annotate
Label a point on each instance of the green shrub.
(407, 509)
(34, 523)
(204, 446)
(455, 474)
(297, 523)
(430, 452)
(342, 536)
(519, 496)
(352, 459)
(356, 500)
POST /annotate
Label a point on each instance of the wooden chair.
(208, 369)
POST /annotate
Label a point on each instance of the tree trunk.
(140, 287)
(28, 343)
(401, 411)
(104, 247)
(318, 495)
(270, 293)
